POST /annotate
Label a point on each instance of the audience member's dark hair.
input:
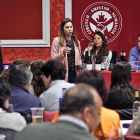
(37, 81)
(5, 75)
(77, 99)
(20, 75)
(22, 62)
(55, 69)
(4, 93)
(96, 80)
(121, 78)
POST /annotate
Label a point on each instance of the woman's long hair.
(96, 80)
(121, 78)
(62, 34)
(4, 93)
(37, 81)
(104, 46)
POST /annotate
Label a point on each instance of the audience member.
(23, 62)
(10, 123)
(79, 112)
(53, 75)
(20, 80)
(109, 118)
(5, 74)
(37, 82)
(121, 95)
(134, 54)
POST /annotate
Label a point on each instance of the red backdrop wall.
(33, 16)
(128, 9)
(127, 38)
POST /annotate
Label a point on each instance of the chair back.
(48, 116)
(132, 137)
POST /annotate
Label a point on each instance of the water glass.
(37, 114)
(134, 65)
(136, 107)
(106, 63)
(2, 137)
(116, 134)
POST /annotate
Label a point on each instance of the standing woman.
(66, 48)
(99, 44)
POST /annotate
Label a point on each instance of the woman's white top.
(109, 54)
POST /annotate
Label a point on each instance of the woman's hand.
(90, 46)
(66, 50)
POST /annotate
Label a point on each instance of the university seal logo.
(104, 17)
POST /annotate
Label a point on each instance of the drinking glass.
(37, 114)
(116, 134)
(134, 65)
(106, 62)
(135, 108)
(2, 137)
(68, 44)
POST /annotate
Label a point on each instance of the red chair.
(48, 116)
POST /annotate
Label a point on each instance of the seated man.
(20, 78)
(53, 75)
(79, 116)
(108, 118)
(134, 54)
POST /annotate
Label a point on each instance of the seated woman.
(5, 74)
(10, 123)
(109, 118)
(99, 44)
(122, 93)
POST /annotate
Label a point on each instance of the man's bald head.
(79, 97)
(82, 102)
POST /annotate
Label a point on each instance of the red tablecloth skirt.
(135, 78)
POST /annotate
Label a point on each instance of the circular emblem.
(103, 17)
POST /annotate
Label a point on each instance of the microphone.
(73, 34)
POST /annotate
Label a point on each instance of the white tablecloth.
(124, 130)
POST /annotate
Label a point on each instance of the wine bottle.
(82, 57)
(113, 60)
(93, 60)
(122, 56)
(137, 95)
(116, 59)
(89, 62)
(136, 104)
(98, 63)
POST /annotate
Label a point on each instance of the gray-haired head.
(20, 75)
(82, 102)
(77, 98)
